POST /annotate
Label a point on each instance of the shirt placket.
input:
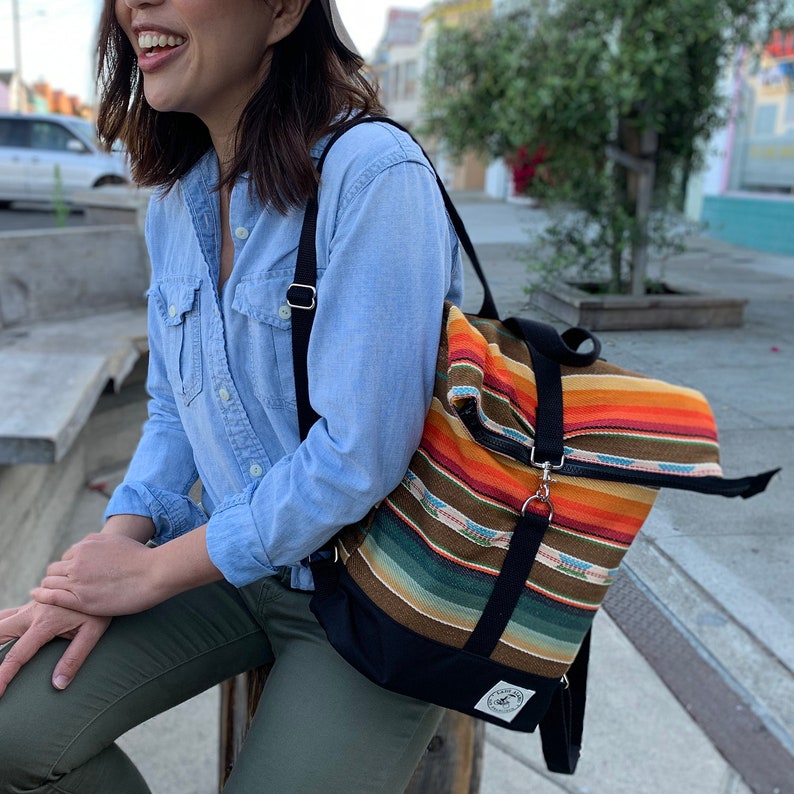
(245, 446)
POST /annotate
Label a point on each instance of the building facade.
(745, 194)
(398, 65)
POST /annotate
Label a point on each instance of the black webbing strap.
(532, 525)
(510, 583)
(302, 299)
(302, 294)
(562, 726)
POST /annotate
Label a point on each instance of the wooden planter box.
(676, 309)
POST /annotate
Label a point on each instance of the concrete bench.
(72, 320)
(52, 374)
(112, 204)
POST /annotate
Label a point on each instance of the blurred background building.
(745, 190)
(398, 64)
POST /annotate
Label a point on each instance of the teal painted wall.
(760, 223)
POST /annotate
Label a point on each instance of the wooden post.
(453, 761)
(451, 765)
(649, 142)
(644, 168)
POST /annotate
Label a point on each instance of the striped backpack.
(474, 584)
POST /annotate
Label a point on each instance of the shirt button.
(241, 233)
(285, 312)
(216, 311)
(256, 470)
(172, 311)
(224, 395)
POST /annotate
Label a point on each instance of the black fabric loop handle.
(564, 349)
(306, 273)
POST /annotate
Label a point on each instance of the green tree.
(622, 94)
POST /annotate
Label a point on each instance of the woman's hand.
(111, 574)
(103, 575)
(34, 625)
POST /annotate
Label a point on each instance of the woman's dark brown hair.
(313, 84)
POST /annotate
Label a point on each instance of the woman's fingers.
(54, 594)
(59, 568)
(78, 651)
(21, 652)
(34, 625)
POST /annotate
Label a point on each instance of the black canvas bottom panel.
(400, 660)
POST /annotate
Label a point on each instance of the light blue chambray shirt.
(222, 404)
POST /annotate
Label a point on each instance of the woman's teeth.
(148, 40)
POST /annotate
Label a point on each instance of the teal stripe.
(429, 578)
(465, 489)
(537, 614)
(413, 564)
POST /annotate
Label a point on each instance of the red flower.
(526, 167)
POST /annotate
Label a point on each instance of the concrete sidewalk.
(691, 683)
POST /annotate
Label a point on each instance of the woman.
(225, 107)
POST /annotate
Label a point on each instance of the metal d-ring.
(538, 498)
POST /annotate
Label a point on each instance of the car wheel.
(110, 180)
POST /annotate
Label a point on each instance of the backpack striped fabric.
(432, 550)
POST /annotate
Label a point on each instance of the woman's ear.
(287, 15)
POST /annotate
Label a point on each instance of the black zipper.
(720, 486)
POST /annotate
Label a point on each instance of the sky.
(58, 37)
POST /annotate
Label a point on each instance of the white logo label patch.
(504, 701)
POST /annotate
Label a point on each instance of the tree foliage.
(577, 76)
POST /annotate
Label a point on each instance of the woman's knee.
(24, 761)
(31, 714)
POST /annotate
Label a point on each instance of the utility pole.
(20, 88)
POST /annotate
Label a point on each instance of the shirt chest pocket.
(177, 302)
(266, 316)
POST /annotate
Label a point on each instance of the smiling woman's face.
(200, 56)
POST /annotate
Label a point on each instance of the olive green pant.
(320, 725)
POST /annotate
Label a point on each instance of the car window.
(14, 132)
(86, 127)
(54, 137)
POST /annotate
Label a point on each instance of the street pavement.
(691, 682)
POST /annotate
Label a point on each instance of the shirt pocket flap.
(176, 297)
(265, 299)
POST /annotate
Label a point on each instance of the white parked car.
(42, 155)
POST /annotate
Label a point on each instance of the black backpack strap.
(302, 293)
(302, 299)
(562, 726)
